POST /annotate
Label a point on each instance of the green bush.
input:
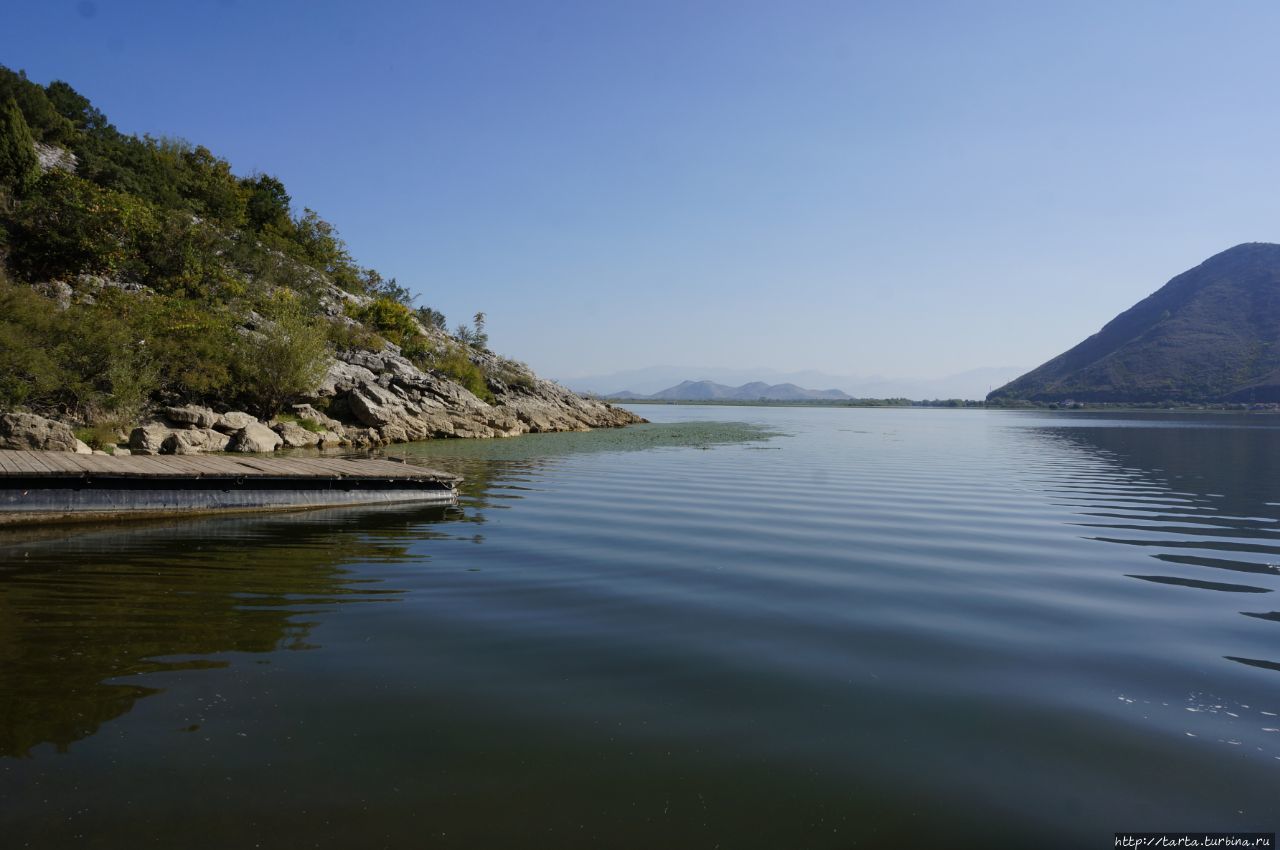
(70, 227)
(285, 359)
(302, 422)
(389, 318)
(452, 362)
(345, 337)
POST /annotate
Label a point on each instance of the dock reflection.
(82, 607)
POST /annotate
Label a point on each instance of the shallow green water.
(817, 628)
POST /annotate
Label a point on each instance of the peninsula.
(152, 301)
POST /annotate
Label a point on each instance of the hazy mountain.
(754, 391)
(1210, 334)
(975, 383)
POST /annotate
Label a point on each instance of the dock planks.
(29, 464)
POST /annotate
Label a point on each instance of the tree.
(70, 226)
(431, 317)
(76, 108)
(268, 204)
(19, 166)
(285, 359)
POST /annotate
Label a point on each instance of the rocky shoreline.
(365, 399)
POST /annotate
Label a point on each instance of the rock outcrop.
(255, 437)
(28, 431)
(396, 401)
(365, 399)
(295, 436)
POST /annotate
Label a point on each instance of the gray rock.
(82, 448)
(55, 156)
(377, 406)
(255, 437)
(149, 439)
(192, 415)
(233, 421)
(331, 439)
(343, 377)
(306, 411)
(295, 436)
(28, 431)
(195, 441)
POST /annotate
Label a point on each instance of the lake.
(735, 627)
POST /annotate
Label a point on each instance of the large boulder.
(28, 431)
(191, 416)
(295, 436)
(377, 406)
(195, 441)
(342, 377)
(255, 437)
(149, 439)
(232, 421)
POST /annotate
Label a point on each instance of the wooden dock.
(63, 486)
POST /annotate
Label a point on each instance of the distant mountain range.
(754, 391)
(1210, 334)
(640, 383)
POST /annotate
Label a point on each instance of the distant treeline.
(995, 404)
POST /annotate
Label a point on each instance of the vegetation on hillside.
(151, 273)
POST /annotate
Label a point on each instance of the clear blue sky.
(899, 188)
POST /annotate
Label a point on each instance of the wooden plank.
(310, 469)
(249, 466)
(185, 465)
(127, 466)
(376, 467)
(207, 466)
(144, 465)
(93, 464)
(275, 468)
(66, 464)
(38, 465)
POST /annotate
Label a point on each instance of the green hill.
(1211, 334)
(139, 273)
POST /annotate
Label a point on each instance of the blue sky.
(891, 188)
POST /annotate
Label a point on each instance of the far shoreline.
(970, 404)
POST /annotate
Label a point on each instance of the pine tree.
(19, 166)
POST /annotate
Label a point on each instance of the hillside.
(1208, 335)
(754, 391)
(144, 285)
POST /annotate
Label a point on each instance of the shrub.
(452, 362)
(286, 359)
(70, 227)
(353, 337)
(389, 318)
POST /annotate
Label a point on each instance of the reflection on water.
(1183, 487)
(79, 614)
(885, 628)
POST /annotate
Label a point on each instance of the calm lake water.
(817, 628)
